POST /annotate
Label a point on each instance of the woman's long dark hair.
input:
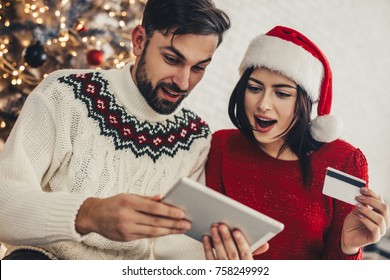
(298, 137)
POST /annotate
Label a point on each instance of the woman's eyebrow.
(275, 85)
(256, 81)
(283, 85)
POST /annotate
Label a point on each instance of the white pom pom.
(326, 128)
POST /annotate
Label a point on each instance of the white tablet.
(205, 207)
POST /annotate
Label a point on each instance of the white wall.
(355, 36)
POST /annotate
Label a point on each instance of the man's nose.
(182, 78)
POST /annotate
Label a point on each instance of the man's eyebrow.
(181, 56)
(275, 86)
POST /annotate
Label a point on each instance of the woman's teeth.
(264, 122)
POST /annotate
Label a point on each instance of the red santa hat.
(292, 54)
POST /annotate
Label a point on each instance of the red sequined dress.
(238, 168)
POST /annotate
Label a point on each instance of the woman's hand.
(366, 224)
(228, 245)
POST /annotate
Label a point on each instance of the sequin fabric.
(313, 221)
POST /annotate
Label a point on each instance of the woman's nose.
(265, 102)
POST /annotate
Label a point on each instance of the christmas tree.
(40, 36)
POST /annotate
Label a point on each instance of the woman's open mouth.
(264, 125)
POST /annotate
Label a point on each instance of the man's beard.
(145, 86)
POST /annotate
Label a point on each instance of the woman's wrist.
(347, 250)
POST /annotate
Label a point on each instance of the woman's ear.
(138, 38)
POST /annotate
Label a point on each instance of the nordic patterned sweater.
(85, 133)
(312, 221)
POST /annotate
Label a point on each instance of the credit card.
(342, 186)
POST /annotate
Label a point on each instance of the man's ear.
(138, 38)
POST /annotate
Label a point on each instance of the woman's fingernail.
(358, 205)
(364, 189)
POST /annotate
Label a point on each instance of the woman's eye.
(282, 94)
(253, 88)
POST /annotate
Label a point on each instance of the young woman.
(276, 161)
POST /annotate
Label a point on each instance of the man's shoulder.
(59, 86)
(68, 72)
(56, 75)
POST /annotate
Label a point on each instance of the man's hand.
(127, 217)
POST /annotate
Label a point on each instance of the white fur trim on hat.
(326, 128)
(289, 59)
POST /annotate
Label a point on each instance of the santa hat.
(292, 54)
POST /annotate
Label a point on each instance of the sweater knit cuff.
(357, 256)
(62, 219)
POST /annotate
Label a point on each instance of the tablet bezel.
(205, 207)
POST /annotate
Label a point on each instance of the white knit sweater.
(91, 134)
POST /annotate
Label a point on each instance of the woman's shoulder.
(342, 156)
(340, 151)
(227, 138)
(227, 135)
(341, 146)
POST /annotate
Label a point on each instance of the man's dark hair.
(199, 17)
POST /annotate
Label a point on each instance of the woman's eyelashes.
(282, 94)
(259, 89)
(254, 88)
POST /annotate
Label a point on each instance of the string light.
(63, 38)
